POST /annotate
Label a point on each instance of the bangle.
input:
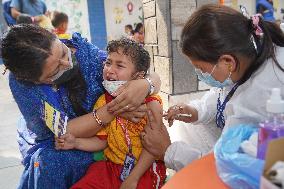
(152, 87)
(98, 120)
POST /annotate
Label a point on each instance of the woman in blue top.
(30, 7)
(265, 8)
(44, 70)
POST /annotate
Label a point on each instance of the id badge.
(55, 120)
(127, 167)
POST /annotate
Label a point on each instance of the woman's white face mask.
(61, 72)
(209, 79)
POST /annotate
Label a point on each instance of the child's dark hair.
(214, 30)
(129, 26)
(25, 48)
(138, 27)
(58, 18)
(24, 19)
(139, 56)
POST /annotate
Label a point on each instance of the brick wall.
(163, 21)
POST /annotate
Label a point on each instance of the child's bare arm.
(145, 159)
(68, 142)
(144, 163)
(90, 144)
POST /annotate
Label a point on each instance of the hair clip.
(255, 22)
(5, 70)
(244, 11)
(254, 43)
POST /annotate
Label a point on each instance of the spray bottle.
(273, 127)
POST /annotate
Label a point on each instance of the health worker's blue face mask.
(209, 79)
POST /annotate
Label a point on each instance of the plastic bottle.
(273, 127)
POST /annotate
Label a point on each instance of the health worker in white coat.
(242, 58)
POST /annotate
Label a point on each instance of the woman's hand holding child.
(136, 115)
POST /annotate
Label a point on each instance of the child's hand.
(129, 183)
(180, 112)
(65, 142)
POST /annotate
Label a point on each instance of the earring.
(230, 68)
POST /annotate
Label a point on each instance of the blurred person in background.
(24, 19)
(59, 21)
(139, 33)
(265, 8)
(30, 7)
(128, 29)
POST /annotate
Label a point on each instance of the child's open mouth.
(110, 79)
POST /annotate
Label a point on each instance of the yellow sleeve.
(64, 36)
(154, 97)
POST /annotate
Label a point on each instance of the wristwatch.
(152, 87)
